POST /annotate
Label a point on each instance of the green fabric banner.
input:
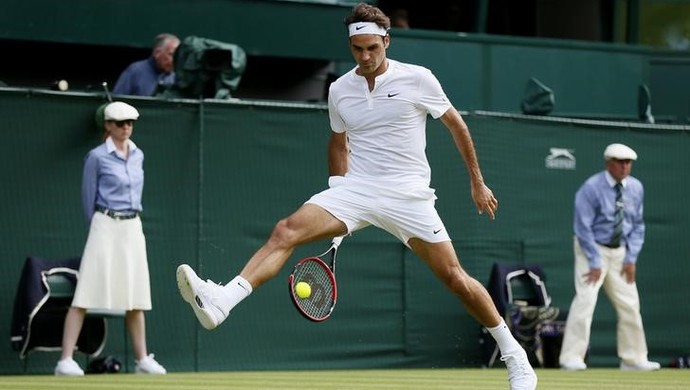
(220, 174)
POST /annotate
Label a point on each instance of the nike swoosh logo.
(359, 27)
(436, 231)
(390, 95)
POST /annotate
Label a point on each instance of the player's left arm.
(482, 195)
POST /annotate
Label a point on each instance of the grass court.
(394, 379)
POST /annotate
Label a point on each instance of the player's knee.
(461, 284)
(283, 235)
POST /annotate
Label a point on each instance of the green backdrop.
(219, 174)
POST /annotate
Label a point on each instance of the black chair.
(44, 295)
(520, 294)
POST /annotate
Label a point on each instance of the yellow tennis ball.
(303, 290)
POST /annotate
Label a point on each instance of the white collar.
(110, 145)
(612, 182)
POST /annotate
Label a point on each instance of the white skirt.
(114, 272)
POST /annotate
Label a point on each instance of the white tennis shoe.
(68, 367)
(642, 366)
(149, 365)
(521, 375)
(575, 365)
(206, 297)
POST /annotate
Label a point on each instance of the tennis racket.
(320, 277)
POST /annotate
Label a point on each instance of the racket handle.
(336, 241)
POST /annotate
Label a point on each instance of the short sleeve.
(337, 123)
(431, 96)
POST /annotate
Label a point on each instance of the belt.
(612, 246)
(117, 214)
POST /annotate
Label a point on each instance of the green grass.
(417, 379)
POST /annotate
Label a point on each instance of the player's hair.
(363, 12)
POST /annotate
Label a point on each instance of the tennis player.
(380, 176)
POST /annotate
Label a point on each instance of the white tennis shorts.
(405, 211)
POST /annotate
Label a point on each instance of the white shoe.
(204, 296)
(68, 367)
(149, 365)
(574, 365)
(643, 366)
(521, 375)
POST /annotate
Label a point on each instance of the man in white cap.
(609, 234)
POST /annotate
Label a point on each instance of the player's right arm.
(337, 154)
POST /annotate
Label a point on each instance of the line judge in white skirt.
(114, 270)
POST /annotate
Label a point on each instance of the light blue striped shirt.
(595, 205)
(110, 181)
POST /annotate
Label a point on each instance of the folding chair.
(44, 295)
(520, 295)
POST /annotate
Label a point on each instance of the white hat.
(119, 111)
(619, 152)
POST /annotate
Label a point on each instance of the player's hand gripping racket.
(316, 300)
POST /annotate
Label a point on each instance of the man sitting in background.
(143, 77)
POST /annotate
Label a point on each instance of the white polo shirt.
(386, 127)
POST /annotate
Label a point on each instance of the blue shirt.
(595, 205)
(142, 78)
(110, 181)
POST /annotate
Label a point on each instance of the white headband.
(359, 28)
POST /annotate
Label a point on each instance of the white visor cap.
(619, 152)
(120, 111)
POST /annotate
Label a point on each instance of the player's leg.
(444, 263)
(442, 260)
(309, 223)
(416, 222)
(212, 302)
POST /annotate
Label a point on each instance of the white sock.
(505, 340)
(236, 290)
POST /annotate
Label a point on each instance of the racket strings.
(320, 302)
